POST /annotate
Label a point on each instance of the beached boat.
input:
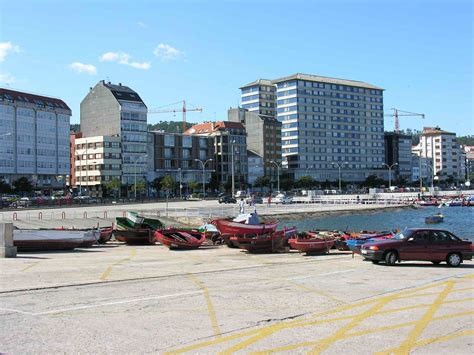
(105, 235)
(355, 243)
(47, 239)
(243, 225)
(312, 243)
(265, 243)
(128, 232)
(91, 237)
(437, 218)
(179, 239)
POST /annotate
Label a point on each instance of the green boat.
(134, 229)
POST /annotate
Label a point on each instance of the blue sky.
(202, 51)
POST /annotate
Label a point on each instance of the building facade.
(230, 150)
(98, 160)
(259, 97)
(72, 149)
(255, 165)
(117, 110)
(469, 151)
(263, 137)
(398, 151)
(34, 139)
(179, 156)
(328, 121)
(445, 152)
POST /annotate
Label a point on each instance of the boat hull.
(176, 239)
(46, 240)
(267, 243)
(105, 235)
(312, 246)
(135, 236)
(229, 227)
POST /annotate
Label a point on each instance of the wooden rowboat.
(229, 227)
(265, 243)
(311, 244)
(178, 239)
(45, 240)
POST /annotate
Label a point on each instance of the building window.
(169, 141)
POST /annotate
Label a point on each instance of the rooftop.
(329, 80)
(38, 100)
(121, 92)
(429, 131)
(210, 127)
(258, 82)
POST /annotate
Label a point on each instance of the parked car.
(254, 199)
(227, 199)
(283, 199)
(424, 244)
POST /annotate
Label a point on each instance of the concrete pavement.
(118, 298)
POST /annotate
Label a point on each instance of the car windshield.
(403, 235)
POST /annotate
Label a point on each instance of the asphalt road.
(123, 299)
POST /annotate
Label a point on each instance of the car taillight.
(374, 247)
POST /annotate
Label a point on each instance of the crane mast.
(183, 110)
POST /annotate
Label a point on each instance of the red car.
(425, 244)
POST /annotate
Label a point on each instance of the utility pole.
(203, 174)
(232, 165)
(278, 165)
(339, 166)
(390, 173)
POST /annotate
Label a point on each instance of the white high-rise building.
(34, 138)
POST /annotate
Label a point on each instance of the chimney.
(212, 126)
(120, 84)
(90, 88)
(109, 83)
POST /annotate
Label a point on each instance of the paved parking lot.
(118, 298)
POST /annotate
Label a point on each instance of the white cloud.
(166, 52)
(83, 68)
(6, 78)
(7, 48)
(124, 59)
(142, 24)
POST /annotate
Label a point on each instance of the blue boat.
(355, 245)
(437, 218)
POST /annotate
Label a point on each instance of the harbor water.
(459, 220)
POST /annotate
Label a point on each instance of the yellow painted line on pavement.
(109, 268)
(317, 292)
(210, 306)
(412, 338)
(30, 266)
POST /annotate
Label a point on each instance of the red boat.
(229, 227)
(312, 244)
(105, 235)
(180, 239)
(264, 243)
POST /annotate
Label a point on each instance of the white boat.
(90, 237)
(51, 239)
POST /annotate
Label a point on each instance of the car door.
(441, 245)
(417, 247)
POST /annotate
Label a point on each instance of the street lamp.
(339, 166)
(390, 173)
(203, 173)
(232, 165)
(135, 166)
(278, 165)
(180, 185)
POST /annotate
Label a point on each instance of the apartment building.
(34, 139)
(260, 97)
(263, 137)
(117, 110)
(180, 156)
(446, 153)
(72, 148)
(230, 150)
(398, 151)
(327, 121)
(98, 160)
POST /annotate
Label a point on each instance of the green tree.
(141, 187)
(286, 183)
(372, 181)
(213, 182)
(262, 181)
(114, 185)
(4, 187)
(156, 183)
(194, 186)
(22, 185)
(305, 182)
(168, 184)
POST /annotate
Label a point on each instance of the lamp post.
(203, 174)
(135, 166)
(278, 165)
(390, 173)
(232, 165)
(339, 166)
(180, 185)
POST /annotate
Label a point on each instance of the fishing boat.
(427, 203)
(312, 243)
(265, 243)
(178, 239)
(105, 234)
(244, 224)
(47, 239)
(91, 237)
(437, 218)
(128, 232)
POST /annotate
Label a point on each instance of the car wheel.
(391, 258)
(375, 261)
(436, 262)
(454, 260)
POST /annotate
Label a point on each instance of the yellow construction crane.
(183, 110)
(397, 113)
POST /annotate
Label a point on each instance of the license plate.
(364, 251)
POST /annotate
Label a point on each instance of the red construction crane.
(397, 113)
(183, 110)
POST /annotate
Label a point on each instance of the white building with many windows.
(34, 138)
